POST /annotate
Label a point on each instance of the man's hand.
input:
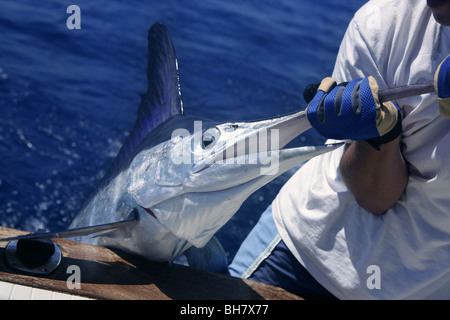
(376, 176)
(442, 87)
(352, 111)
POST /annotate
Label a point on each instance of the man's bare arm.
(376, 178)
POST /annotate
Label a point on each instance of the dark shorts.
(264, 257)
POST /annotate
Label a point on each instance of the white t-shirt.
(405, 253)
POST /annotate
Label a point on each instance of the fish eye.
(231, 127)
(209, 137)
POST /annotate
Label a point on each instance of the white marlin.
(186, 176)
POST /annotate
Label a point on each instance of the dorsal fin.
(163, 98)
(161, 101)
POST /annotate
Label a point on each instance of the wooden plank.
(108, 274)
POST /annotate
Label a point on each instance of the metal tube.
(406, 91)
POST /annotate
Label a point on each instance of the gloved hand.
(352, 111)
(442, 87)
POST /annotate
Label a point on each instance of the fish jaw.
(200, 212)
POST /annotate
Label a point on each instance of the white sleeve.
(356, 57)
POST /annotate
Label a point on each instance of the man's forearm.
(376, 178)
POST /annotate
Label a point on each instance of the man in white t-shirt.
(370, 220)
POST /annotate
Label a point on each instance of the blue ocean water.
(68, 98)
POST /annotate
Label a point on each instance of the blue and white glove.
(352, 111)
(442, 87)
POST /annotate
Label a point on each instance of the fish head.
(197, 180)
